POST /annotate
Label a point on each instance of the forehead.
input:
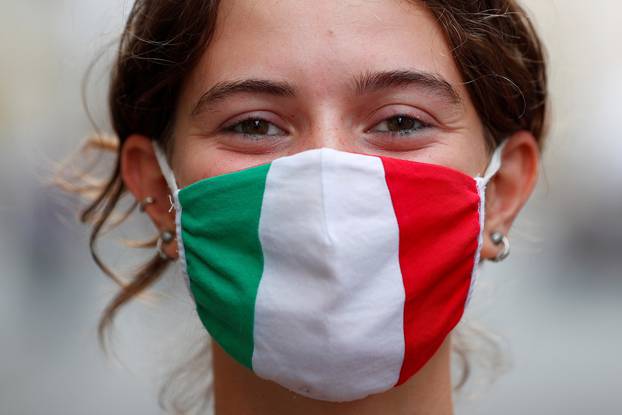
(321, 44)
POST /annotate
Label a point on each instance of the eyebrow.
(432, 83)
(364, 84)
(225, 89)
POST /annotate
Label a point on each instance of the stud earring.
(166, 237)
(146, 201)
(500, 239)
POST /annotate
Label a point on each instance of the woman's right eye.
(255, 128)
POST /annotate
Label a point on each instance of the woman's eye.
(255, 127)
(399, 125)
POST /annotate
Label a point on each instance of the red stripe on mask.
(437, 213)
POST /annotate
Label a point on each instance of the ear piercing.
(146, 201)
(500, 239)
(166, 237)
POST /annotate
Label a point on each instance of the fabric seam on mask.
(322, 152)
(181, 252)
(481, 187)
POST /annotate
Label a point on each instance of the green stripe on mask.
(223, 253)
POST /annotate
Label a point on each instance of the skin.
(318, 48)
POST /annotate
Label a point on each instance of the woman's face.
(284, 76)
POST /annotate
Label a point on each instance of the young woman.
(328, 175)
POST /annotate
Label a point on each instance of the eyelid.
(228, 125)
(260, 115)
(393, 110)
(424, 125)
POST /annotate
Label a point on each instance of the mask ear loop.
(167, 172)
(494, 164)
(169, 176)
(493, 167)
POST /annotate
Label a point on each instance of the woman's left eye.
(399, 125)
(255, 127)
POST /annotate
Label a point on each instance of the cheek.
(471, 158)
(467, 150)
(200, 159)
(460, 150)
(192, 166)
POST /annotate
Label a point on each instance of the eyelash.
(231, 129)
(418, 126)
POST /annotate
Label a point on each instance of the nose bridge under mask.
(341, 192)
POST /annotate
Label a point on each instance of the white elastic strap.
(494, 164)
(167, 172)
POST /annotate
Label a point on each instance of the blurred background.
(554, 306)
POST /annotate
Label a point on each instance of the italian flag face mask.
(335, 274)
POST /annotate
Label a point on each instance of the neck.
(238, 390)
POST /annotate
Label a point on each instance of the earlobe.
(142, 176)
(509, 189)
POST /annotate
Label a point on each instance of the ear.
(510, 188)
(142, 176)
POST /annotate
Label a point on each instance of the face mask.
(335, 274)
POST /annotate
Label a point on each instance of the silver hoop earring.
(166, 237)
(146, 201)
(500, 239)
